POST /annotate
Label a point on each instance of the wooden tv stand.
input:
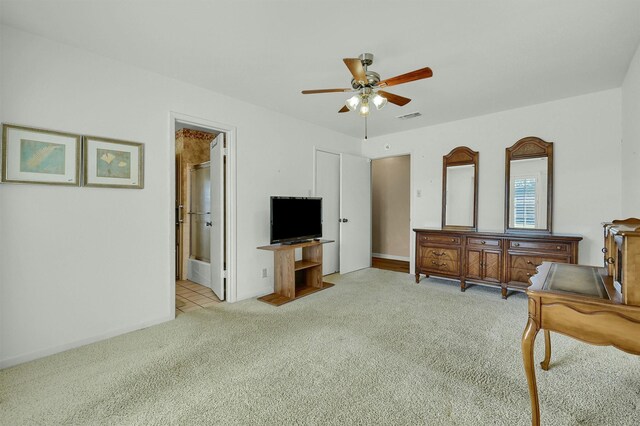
(285, 267)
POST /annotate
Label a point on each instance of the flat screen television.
(295, 219)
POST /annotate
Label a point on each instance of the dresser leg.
(547, 350)
(504, 292)
(417, 278)
(463, 285)
(528, 340)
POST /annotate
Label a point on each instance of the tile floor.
(191, 296)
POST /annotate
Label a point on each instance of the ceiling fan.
(368, 86)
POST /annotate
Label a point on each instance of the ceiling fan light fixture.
(364, 108)
(353, 102)
(379, 101)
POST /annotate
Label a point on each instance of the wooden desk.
(285, 268)
(580, 302)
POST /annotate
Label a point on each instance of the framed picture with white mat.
(113, 163)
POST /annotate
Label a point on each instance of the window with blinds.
(524, 202)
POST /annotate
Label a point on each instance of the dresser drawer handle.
(438, 254)
(604, 250)
(483, 242)
(516, 244)
(528, 274)
(438, 264)
(453, 240)
(610, 260)
(558, 247)
(531, 263)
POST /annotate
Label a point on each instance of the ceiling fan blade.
(406, 78)
(357, 70)
(395, 99)
(311, 92)
(344, 109)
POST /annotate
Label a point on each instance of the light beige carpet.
(374, 349)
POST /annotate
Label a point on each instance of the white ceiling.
(486, 56)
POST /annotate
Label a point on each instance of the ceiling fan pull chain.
(365, 128)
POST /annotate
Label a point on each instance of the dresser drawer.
(440, 239)
(483, 242)
(532, 262)
(540, 246)
(439, 253)
(528, 263)
(521, 275)
(442, 267)
(523, 267)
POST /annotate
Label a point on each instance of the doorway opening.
(203, 227)
(390, 213)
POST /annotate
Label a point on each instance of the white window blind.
(524, 202)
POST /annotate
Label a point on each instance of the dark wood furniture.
(489, 258)
(460, 156)
(295, 278)
(597, 305)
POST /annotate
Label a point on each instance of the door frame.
(230, 206)
(412, 248)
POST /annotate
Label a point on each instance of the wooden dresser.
(489, 258)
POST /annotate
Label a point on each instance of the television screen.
(295, 218)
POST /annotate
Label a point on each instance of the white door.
(355, 213)
(328, 187)
(217, 216)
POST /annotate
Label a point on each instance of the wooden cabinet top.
(627, 230)
(532, 236)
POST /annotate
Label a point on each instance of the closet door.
(328, 187)
(355, 213)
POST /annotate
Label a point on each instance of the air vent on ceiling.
(409, 116)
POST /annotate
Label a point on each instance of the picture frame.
(112, 163)
(32, 155)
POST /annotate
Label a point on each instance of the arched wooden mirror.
(529, 186)
(460, 189)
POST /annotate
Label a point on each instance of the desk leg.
(547, 350)
(528, 340)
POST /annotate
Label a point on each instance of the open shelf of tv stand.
(304, 264)
(309, 278)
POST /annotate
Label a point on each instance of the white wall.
(79, 264)
(631, 139)
(586, 135)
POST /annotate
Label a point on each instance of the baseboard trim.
(391, 257)
(20, 359)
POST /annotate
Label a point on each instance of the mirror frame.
(460, 156)
(529, 147)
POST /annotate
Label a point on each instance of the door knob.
(345, 220)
